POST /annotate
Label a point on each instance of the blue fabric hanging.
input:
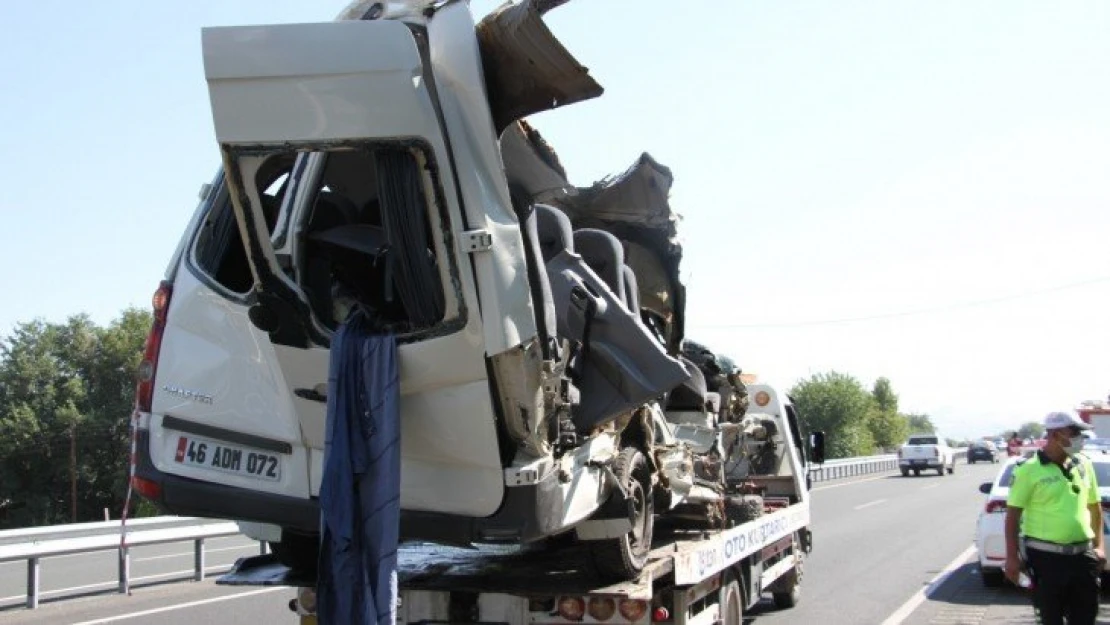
(360, 492)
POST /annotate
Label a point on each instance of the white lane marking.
(869, 479)
(190, 553)
(869, 504)
(180, 606)
(59, 591)
(920, 596)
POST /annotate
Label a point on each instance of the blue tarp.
(360, 495)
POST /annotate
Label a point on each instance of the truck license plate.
(218, 456)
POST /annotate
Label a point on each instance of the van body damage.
(539, 323)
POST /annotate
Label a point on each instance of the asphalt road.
(887, 550)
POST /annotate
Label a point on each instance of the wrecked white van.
(381, 161)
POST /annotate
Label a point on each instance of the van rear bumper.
(188, 497)
(526, 514)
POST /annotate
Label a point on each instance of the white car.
(990, 537)
(926, 452)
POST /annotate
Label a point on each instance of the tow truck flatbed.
(689, 556)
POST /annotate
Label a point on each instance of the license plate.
(218, 456)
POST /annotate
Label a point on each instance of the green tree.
(1031, 429)
(920, 424)
(66, 392)
(884, 396)
(888, 428)
(839, 405)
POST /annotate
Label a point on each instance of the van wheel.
(623, 558)
(940, 471)
(917, 472)
(732, 602)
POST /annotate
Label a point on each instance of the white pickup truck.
(926, 451)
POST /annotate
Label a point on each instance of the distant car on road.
(926, 451)
(990, 537)
(982, 450)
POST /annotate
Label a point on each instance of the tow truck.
(693, 576)
(1097, 413)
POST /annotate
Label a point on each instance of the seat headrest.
(554, 230)
(604, 254)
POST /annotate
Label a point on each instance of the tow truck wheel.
(992, 578)
(787, 591)
(790, 597)
(732, 604)
(623, 558)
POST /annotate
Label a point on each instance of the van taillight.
(144, 392)
(996, 505)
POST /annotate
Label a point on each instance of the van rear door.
(373, 222)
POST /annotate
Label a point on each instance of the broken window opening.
(218, 251)
(368, 241)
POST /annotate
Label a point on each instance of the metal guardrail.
(862, 465)
(59, 540)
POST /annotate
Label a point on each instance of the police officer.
(1054, 502)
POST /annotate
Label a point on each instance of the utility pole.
(73, 472)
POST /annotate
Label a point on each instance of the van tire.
(622, 559)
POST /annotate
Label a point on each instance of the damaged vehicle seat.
(554, 232)
(539, 284)
(631, 291)
(618, 365)
(604, 254)
(329, 211)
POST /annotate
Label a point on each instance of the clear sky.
(917, 190)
